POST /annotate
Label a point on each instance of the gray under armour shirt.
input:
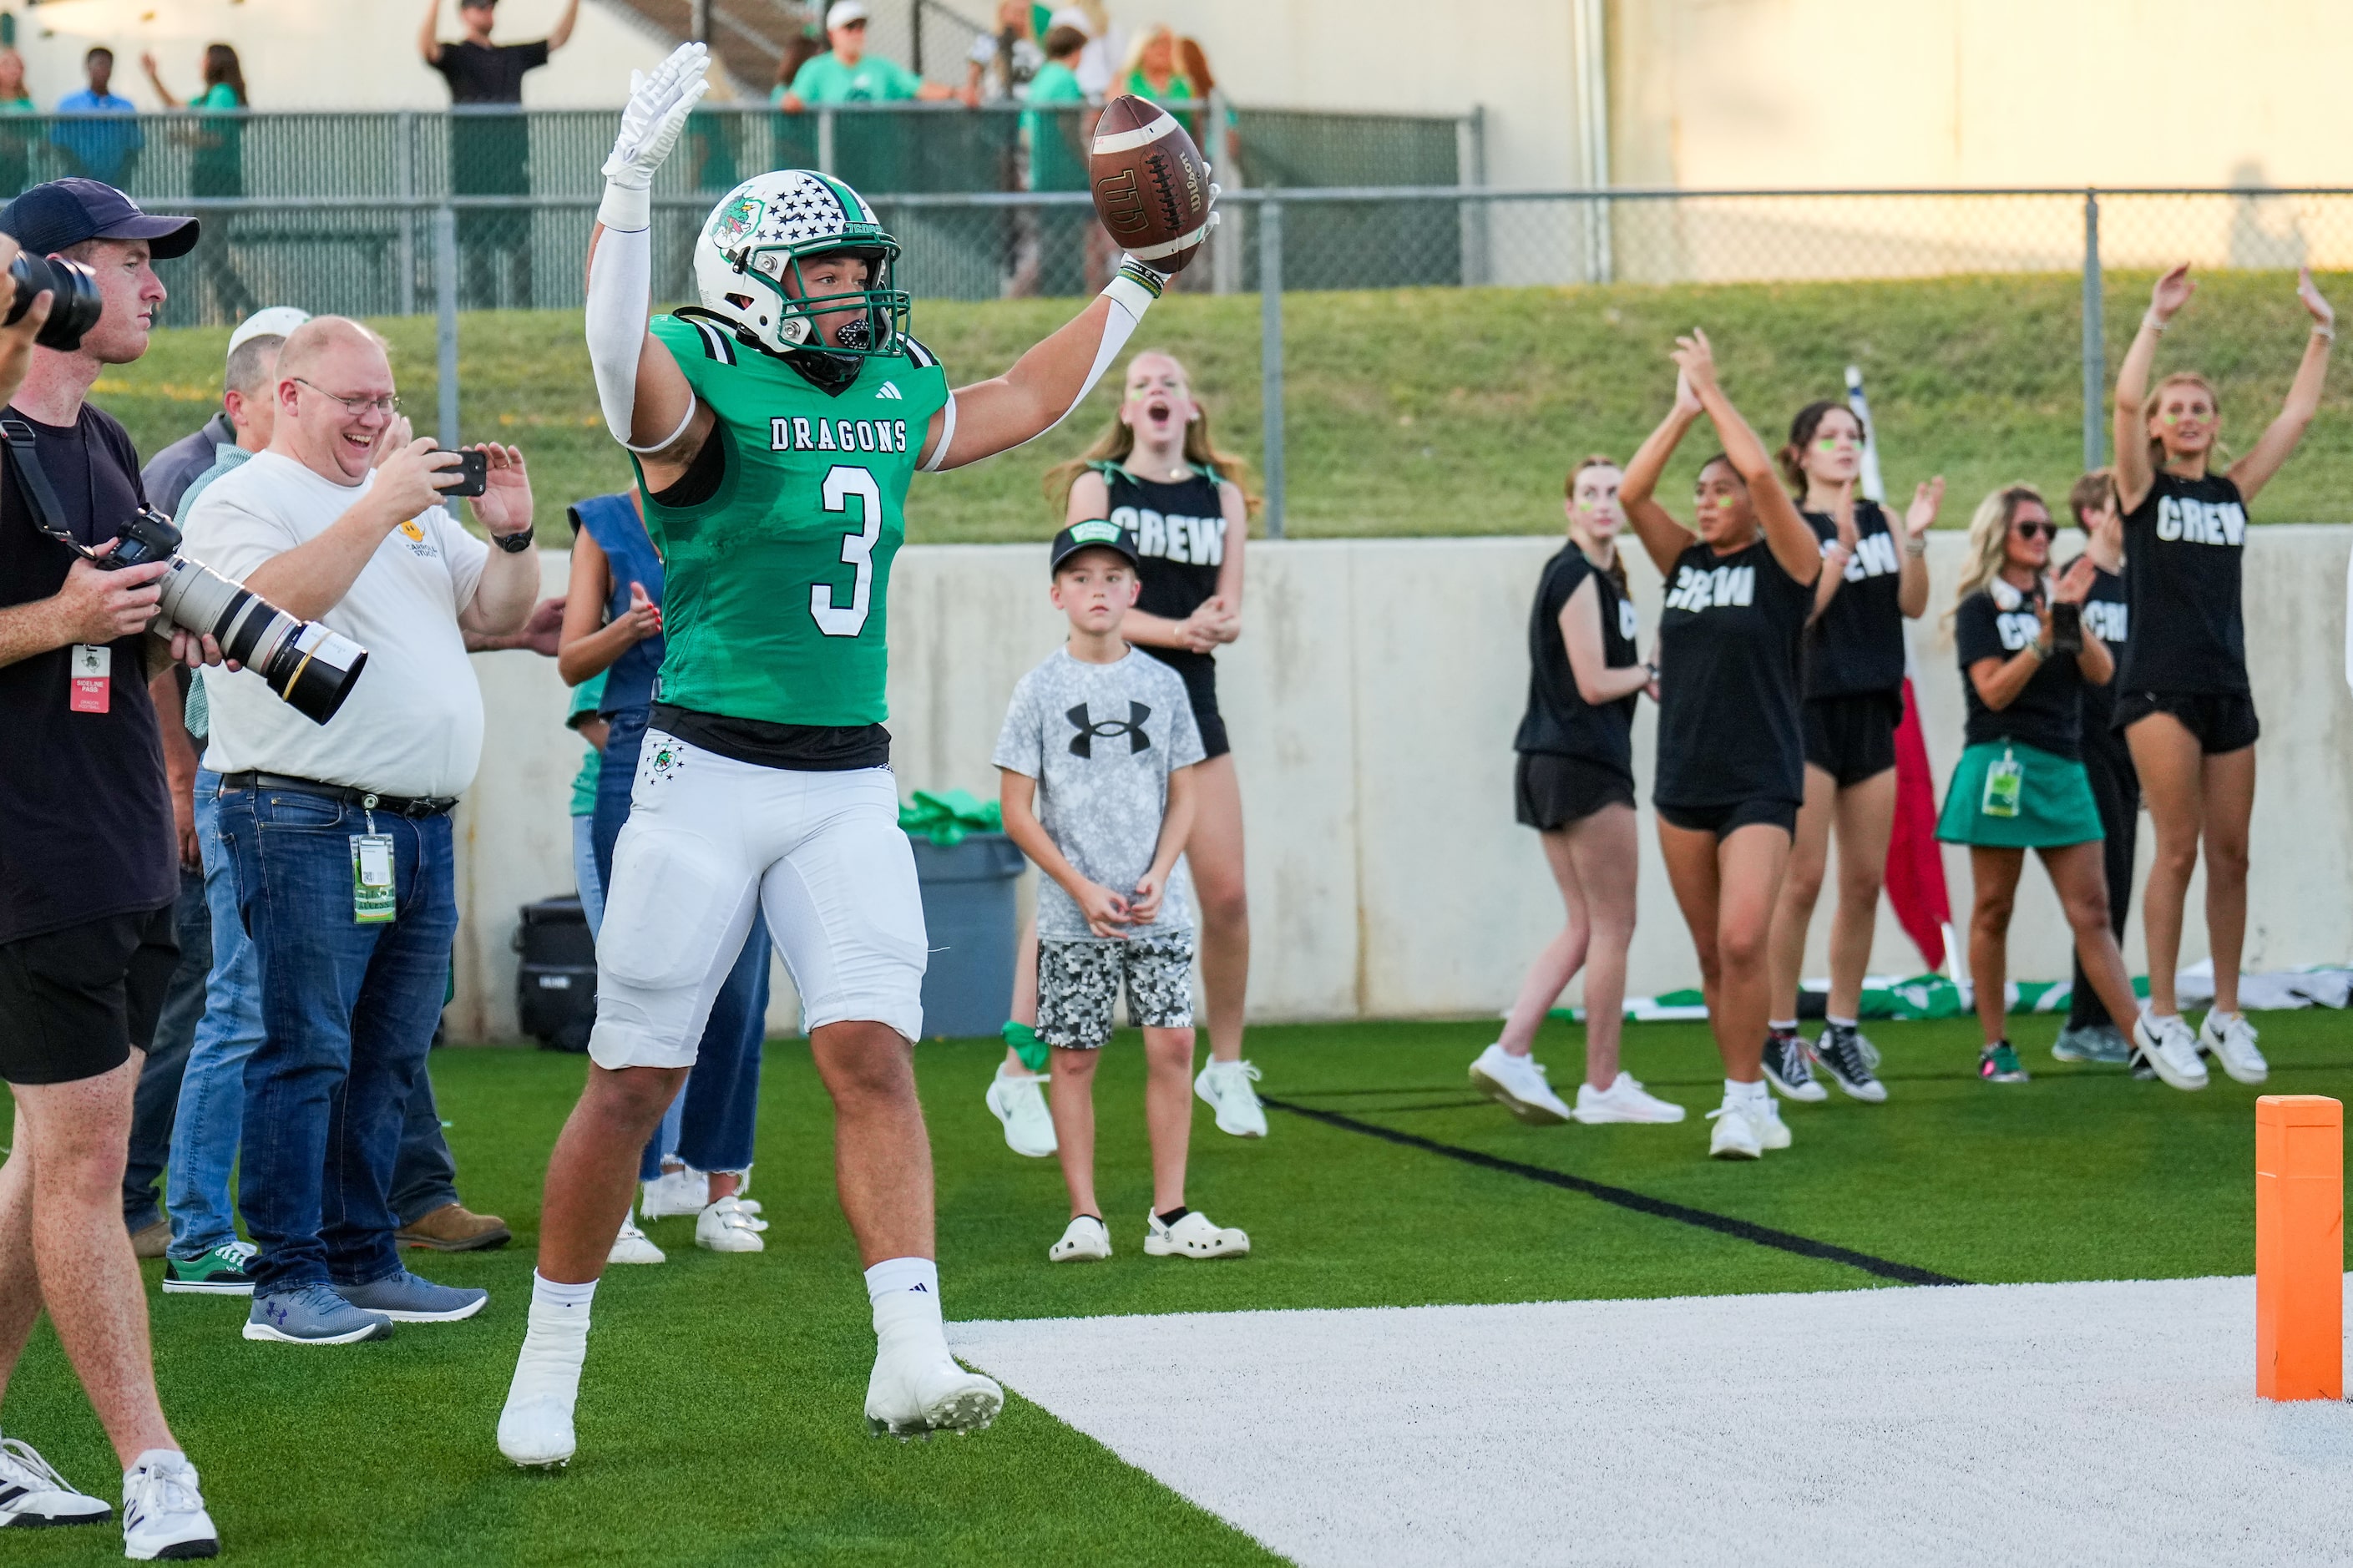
(1101, 739)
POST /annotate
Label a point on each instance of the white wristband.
(625, 208)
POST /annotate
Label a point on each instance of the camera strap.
(39, 494)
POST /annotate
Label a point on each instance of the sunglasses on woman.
(2033, 530)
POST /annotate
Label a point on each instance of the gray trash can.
(969, 917)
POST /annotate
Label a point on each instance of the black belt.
(367, 800)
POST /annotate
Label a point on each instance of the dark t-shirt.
(2047, 715)
(1856, 647)
(490, 155)
(1559, 721)
(489, 73)
(2107, 614)
(85, 816)
(1179, 530)
(1729, 647)
(2182, 550)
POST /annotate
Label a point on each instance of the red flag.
(1916, 863)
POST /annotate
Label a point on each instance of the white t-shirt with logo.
(412, 724)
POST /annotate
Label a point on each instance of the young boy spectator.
(1096, 759)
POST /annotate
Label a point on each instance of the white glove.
(659, 105)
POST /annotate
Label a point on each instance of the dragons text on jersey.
(801, 434)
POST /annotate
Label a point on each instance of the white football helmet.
(756, 239)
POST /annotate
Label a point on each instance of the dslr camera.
(74, 303)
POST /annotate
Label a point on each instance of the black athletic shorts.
(2223, 721)
(1853, 738)
(1553, 790)
(1722, 820)
(74, 1002)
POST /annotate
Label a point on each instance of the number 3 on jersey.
(841, 483)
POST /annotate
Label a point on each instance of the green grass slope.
(720, 1423)
(1454, 410)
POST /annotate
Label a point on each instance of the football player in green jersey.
(776, 426)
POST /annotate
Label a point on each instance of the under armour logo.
(1082, 744)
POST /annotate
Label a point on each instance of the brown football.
(1152, 189)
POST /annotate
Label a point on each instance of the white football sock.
(905, 1292)
(1745, 1093)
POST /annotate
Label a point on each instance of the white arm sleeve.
(620, 292)
(1129, 299)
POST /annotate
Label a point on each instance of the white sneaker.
(1624, 1101)
(632, 1245)
(2231, 1040)
(535, 1425)
(1020, 1103)
(1225, 1087)
(1765, 1117)
(2170, 1049)
(1192, 1235)
(1735, 1137)
(163, 1512)
(914, 1395)
(674, 1195)
(37, 1495)
(1088, 1240)
(723, 1227)
(1517, 1084)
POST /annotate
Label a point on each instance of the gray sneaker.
(2103, 1043)
(405, 1298)
(311, 1314)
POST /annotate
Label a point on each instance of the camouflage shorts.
(1079, 982)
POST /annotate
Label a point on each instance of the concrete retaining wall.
(1372, 703)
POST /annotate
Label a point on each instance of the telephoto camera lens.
(310, 668)
(74, 309)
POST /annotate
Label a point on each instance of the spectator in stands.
(848, 74)
(102, 139)
(1098, 63)
(489, 153)
(1054, 133)
(1001, 63)
(16, 143)
(216, 167)
(349, 897)
(1153, 70)
(805, 47)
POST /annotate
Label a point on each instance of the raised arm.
(429, 43)
(2254, 472)
(561, 34)
(1912, 586)
(1792, 542)
(2134, 475)
(1662, 537)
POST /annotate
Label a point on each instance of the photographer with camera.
(339, 828)
(89, 856)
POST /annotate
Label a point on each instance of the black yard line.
(1626, 1198)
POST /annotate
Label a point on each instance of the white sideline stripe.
(1139, 136)
(2106, 1422)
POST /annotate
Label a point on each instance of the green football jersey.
(776, 590)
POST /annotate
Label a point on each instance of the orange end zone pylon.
(2299, 1246)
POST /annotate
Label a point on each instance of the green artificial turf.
(721, 1419)
(1445, 411)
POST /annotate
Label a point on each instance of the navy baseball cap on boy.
(63, 213)
(1100, 533)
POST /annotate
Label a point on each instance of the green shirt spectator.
(585, 698)
(872, 80)
(1056, 161)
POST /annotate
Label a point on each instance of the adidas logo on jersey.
(837, 434)
(2194, 522)
(1696, 589)
(890, 389)
(1875, 556)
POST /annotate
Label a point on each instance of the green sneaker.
(1999, 1064)
(220, 1272)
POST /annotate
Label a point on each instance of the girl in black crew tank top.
(1575, 783)
(1157, 472)
(2182, 696)
(1874, 577)
(1730, 765)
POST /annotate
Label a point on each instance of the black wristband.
(513, 543)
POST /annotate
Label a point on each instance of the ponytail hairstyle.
(2217, 455)
(1617, 568)
(1117, 444)
(1792, 457)
(1989, 537)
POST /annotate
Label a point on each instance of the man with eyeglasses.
(340, 831)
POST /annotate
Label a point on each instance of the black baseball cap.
(50, 217)
(1101, 534)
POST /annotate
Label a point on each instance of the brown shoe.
(153, 1241)
(454, 1228)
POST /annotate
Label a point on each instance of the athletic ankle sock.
(905, 1292)
(1745, 1092)
(150, 1455)
(1780, 1026)
(1840, 1023)
(1173, 1216)
(561, 1300)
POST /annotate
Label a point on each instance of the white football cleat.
(632, 1245)
(1735, 1135)
(1225, 1087)
(536, 1427)
(2231, 1040)
(674, 1195)
(36, 1496)
(1517, 1084)
(723, 1227)
(1764, 1118)
(1019, 1102)
(2170, 1049)
(1192, 1235)
(1624, 1101)
(914, 1395)
(1088, 1240)
(163, 1512)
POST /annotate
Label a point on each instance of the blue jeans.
(424, 1175)
(158, 1094)
(710, 1124)
(348, 1013)
(212, 1086)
